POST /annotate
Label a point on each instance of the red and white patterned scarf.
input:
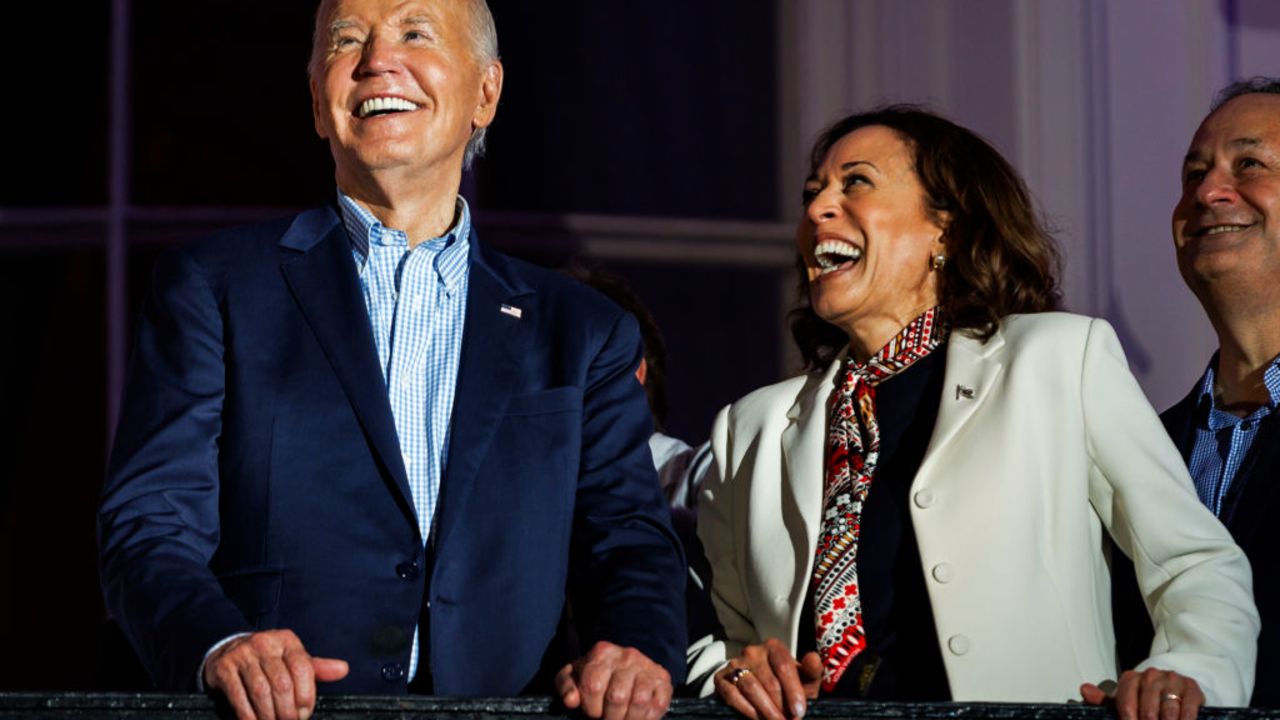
(853, 449)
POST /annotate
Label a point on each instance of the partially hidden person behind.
(681, 467)
(1226, 237)
(925, 514)
(357, 447)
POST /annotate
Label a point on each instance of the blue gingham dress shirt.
(1223, 440)
(417, 303)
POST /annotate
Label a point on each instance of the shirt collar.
(450, 249)
(1208, 407)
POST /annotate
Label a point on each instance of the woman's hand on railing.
(766, 682)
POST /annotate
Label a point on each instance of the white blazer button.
(958, 644)
(944, 572)
(924, 498)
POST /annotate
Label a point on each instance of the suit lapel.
(494, 343)
(972, 369)
(971, 372)
(324, 283)
(804, 455)
(1259, 492)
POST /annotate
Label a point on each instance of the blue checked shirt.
(1222, 440)
(417, 303)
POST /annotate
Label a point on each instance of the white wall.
(1093, 100)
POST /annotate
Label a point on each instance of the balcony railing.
(84, 706)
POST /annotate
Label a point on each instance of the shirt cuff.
(212, 650)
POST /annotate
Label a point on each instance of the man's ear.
(490, 91)
(316, 109)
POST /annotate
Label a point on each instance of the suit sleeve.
(1195, 581)
(709, 654)
(624, 546)
(158, 518)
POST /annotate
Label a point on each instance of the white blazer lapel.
(804, 454)
(971, 373)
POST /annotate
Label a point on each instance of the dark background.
(659, 109)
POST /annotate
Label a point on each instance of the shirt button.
(958, 644)
(924, 498)
(407, 571)
(393, 672)
(944, 572)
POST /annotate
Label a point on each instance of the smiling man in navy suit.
(1226, 236)
(359, 448)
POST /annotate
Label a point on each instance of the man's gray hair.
(484, 48)
(1258, 84)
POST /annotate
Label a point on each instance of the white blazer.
(1043, 445)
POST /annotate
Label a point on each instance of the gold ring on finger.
(1170, 697)
(735, 675)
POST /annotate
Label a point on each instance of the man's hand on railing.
(615, 683)
(269, 675)
(1150, 694)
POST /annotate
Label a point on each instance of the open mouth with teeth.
(833, 255)
(1218, 230)
(384, 106)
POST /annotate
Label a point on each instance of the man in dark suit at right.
(1226, 234)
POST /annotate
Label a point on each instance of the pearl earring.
(939, 261)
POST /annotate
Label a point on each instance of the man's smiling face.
(398, 83)
(1226, 226)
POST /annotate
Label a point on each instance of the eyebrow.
(846, 168)
(1237, 144)
(856, 163)
(339, 25)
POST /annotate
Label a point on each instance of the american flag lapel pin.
(512, 310)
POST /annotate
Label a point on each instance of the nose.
(379, 55)
(1215, 188)
(824, 206)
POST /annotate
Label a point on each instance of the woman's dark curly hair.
(1001, 259)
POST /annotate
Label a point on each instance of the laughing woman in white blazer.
(927, 514)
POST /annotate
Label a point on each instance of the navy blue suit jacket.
(256, 479)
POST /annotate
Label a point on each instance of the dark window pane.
(653, 108)
(723, 334)
(52, 441)
(222, 113)
(55, 116)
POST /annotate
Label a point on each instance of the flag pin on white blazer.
(964, 391)
(511, 310)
